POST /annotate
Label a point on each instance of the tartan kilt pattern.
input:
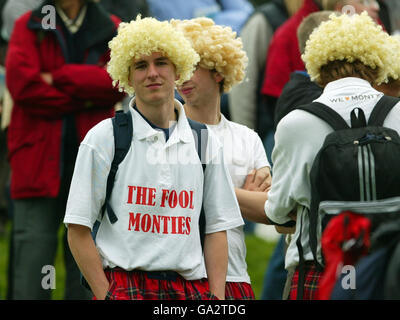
(136, 285)
(238, 291)
(311, 283)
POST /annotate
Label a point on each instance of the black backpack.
(123, 131)
(357, 164)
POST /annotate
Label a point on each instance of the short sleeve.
(219, 199)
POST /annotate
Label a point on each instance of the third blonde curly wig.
(143, 37)
(351, 39)
(218, 47)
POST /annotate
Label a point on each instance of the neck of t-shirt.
(167, 131)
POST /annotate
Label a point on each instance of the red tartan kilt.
(239, 291)
(136, 285)
(311, 283)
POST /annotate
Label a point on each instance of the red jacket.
(35, 134)
(284, 53)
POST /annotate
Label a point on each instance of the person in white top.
(153, 250)
(222, 64)
(347, 76)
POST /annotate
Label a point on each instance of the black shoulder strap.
(357, 118)
(200, 134)
(301, 266)
(381, 110)
(327, 114)
(123, 131)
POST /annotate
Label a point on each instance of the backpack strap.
(123, 131)
(381, 110)
(357, 118)
(199, 130)
(301, 266)
(325, 113)
(200, 134)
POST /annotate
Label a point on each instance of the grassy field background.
(259, 252)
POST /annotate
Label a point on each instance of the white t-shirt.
(243, 152)
(157, 197)
(298, 138)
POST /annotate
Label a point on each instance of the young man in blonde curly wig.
(153, 250)
(222, 64)
(346, 55)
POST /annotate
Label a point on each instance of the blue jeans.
(275, 275)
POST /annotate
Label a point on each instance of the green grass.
(258, 254)
(4, 262)
(58, 292)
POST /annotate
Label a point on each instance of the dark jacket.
(299, 90)
(126, 10)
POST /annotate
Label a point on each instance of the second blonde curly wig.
(143, 37)
(218, 47)
(350, 39)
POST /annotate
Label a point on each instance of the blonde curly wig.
(143, 37)
(392, 87)
(351, 39)
(394, 71)
(218, 47)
